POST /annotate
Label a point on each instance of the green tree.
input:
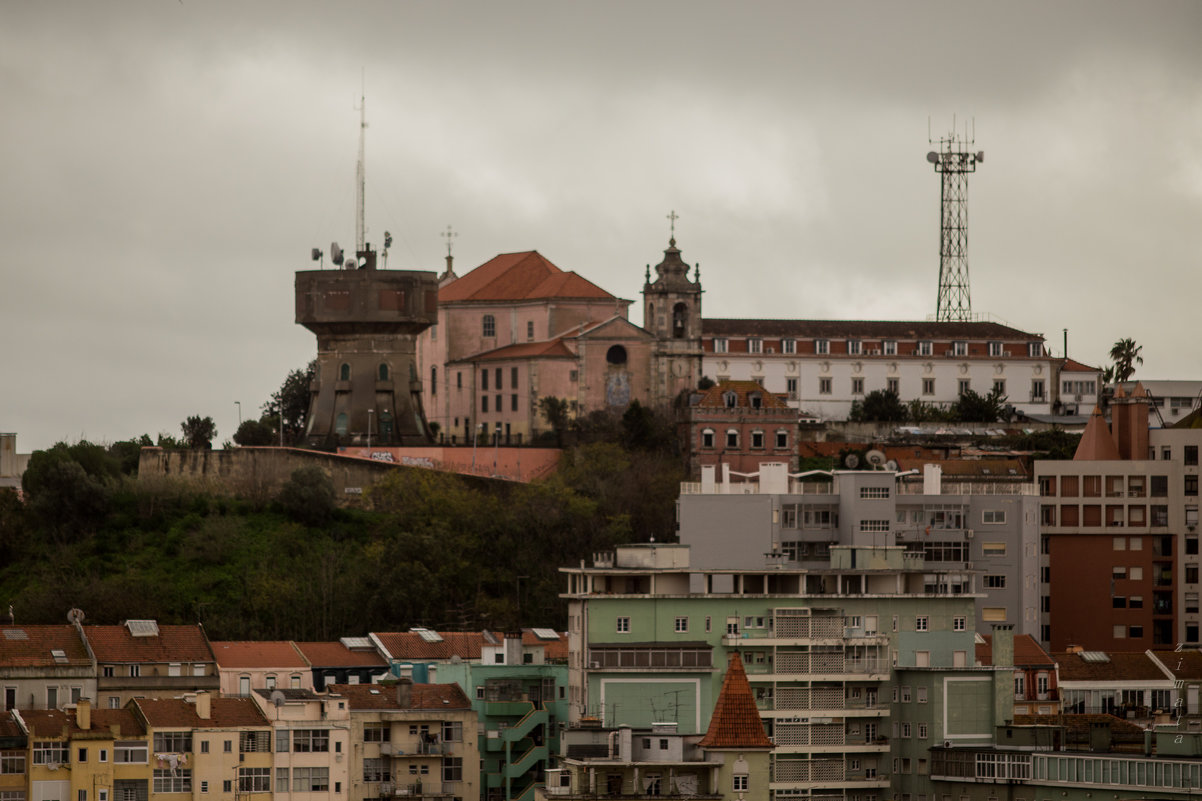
(255, 432)
(199, 431)
(1125, 354)
(556, 411)
(308, 497)
(973, 407)
(292, 401)
(880, 405)
(69, 487)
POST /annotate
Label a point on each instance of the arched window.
(782, 438)
(244, 686)
(707, 438)
(340, 423)
(489, 326)
(271, 681)
(757, 438)
(616, 355)
(344, 372)
(383, 372)
(680, 314)
(732, 438)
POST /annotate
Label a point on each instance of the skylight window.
(15, 634)
(60, 656)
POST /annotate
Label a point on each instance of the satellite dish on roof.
(851, 462)
(75, 615)
(277, 698)
(891, 465)
(316, 254)
(875, 458)
(980, 155)
(933, 157)
(336, 254)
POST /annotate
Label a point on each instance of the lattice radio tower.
(954, 161)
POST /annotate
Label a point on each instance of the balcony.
(432, 790)
(158, 683)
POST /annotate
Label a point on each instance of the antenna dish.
(980, 155)
(316, 254)
(851, 462)
(891, 465)
(933, 157)
(277, 698)
(336, 254)
(351, 264)
(75, 615)
(875, 458)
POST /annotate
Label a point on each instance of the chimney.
(932, 479)
(1003, 645)
(404, 693)
(83, 714)
(204, 707)
(513, 647)
(1129, 421)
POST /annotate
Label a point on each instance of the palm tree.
(1125, 355)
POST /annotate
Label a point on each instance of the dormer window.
(720, 345)
(924, 348)
(729, 399)
(1034, 349)
(854, 347)
(755, 400)
(822, 346)
(755, 346)
(960, 348)
(995, 348)
(788, 346)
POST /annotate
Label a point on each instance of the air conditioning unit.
(1006, 353)
(1077, 398)
(772, 350)
(875, 352)
(595, 665)
(968, 533)
(968, 566)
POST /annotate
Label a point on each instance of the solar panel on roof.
(142, 628)
(60, 656)
(429, 636)
(356, 642)
(1095, 657)
(15, 634)
(545, 634)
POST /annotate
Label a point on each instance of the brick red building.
(740, 424)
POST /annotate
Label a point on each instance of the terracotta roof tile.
(1182, 664)
(176, 713)
(1027, 652)
(172, 644)
(1097, 443)
(736, 720)
(31, 646)
(519, 276)
(548, 349)
(1122, 731)
(335, 654)
(713, 398)
(869, 329)
(1074, 366)
(1120, 667)
(53, 722)
(267, 654)
(9, 727)
(384, 696)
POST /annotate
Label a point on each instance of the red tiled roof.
(30, 646)
(548, 349)
(421, 696)
(1182, 664)
(1097, 443)
(176, 713)
(736, 720)
(976, 468)
(1027, 652)
(53, 722)
(267, 654)
(519, 276)
(335, 654)
(172, 644)
(713, 397)
(1074, 366)
(9, 727)
(869, 329)
(1120, 667)
(463, 644)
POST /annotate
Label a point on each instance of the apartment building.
(1119, 523)
(141, 659)
(82, 754)
(351, 660)
(416, 741)
(957, 526)
(650, 637)
(268, 665)
(44, 667)
(310, 737)
(739, 424)
(1036, 690)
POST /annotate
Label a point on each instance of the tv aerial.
(336, 254)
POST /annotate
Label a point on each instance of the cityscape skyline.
(171, 167)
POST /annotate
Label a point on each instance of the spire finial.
(672, 218)
(450, 236)
(648, 273)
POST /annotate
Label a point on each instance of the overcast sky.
(166, 167)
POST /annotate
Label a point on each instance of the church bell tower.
(672, 314)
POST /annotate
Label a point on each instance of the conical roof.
(736, 720)
(1097, 443)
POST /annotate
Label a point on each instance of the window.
(740, 783)
(960, 348)
(790, 346)
(921, 695)
(254, 780)
(822, 347)
(993, 516)
(999, 386)
(925, 348)
(623, 625)
(131, 751)
(893, 385)
(922, 730)
(732, 438)
(874, 492)
(204, 746)
(172, 742)
(1191, 455)
(459, 379)
(499, 384)
(890, 347)
(12, 762)
(1035, 349)
(103, 755)
(995, 348)
(928, 386)
(906, 730)
(682, 624)
(529, 330)
(310, 780)
(344, 372)
(874, 525)
(707, 438)
(484, 403)
(1191, 485)
(963, 386)
(311, 740)
(1037, 385)
(757, 439)
(905, 695)
(824, 386)
(854, 347)
(374, 770)
(755, 346)
(782, 439)
(958, 623)
(452, 769)
(720, 345)
(995, 582)
(513, 403)
(922, 623)
(452, 731)
(489, 326)
(857, 386)
(377, 732)
(993, 548)
(167, 780)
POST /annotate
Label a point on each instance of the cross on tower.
(449, 235)
(672, 218)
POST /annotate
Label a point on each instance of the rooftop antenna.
(954, 161)
(450, 236)
(360, 174)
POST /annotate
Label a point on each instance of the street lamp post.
(239, 405)
(475, 439)
(369, 414)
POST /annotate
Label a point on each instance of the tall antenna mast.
(360, 175)
(954, 161)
